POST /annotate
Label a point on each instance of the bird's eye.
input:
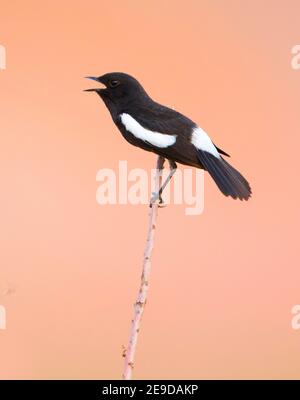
(114, 83)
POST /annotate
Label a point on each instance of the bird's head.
(119, 88)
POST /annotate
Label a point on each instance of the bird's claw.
(155, 197)
(162, 204)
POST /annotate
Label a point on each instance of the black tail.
(228, 179)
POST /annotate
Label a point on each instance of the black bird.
(161, 130)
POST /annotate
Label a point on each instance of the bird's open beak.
(94, 79)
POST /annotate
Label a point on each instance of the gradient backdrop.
(223, 283)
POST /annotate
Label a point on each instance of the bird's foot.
(161, 203)
(155, 197)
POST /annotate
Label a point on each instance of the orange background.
(223, 283)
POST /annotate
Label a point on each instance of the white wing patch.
(155, 138)
(202, 141)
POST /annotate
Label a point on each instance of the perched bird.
(161, 130)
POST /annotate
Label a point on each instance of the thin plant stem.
(139, 305)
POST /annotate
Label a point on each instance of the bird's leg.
(157, 195)
(173, 168)
(160, 167)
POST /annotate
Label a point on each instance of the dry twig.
(140, 303)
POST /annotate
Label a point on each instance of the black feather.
(228, 179)
(221, 151)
